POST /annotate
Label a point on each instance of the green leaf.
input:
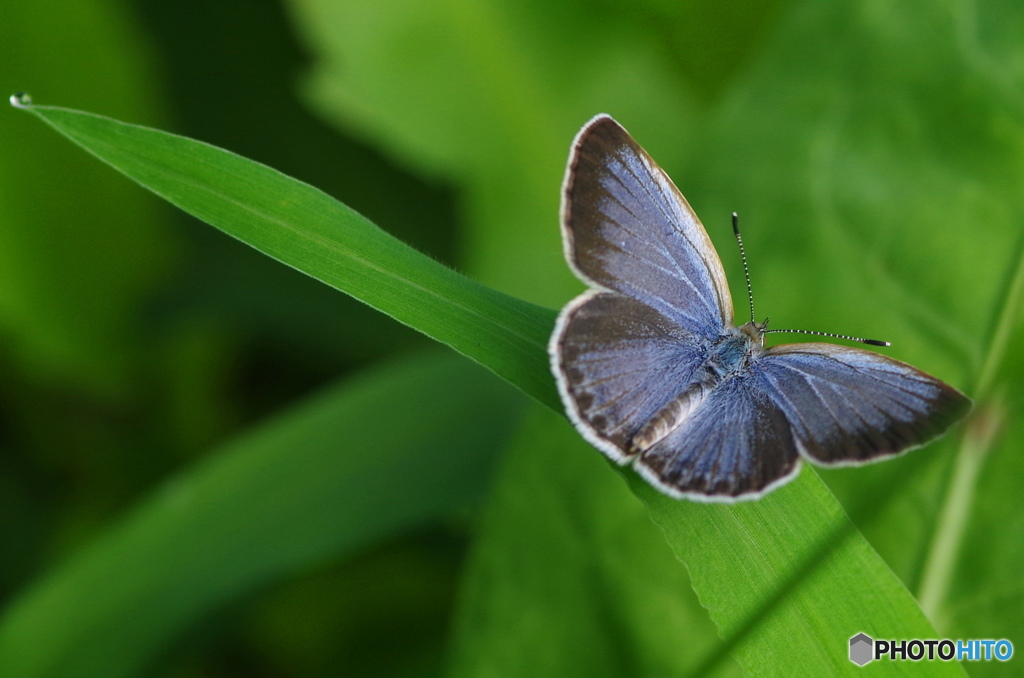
(570, 566)
(319, 483)
(569, 563)
(799, 576)
(310, 231)
(367, 259)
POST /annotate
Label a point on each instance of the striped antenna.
(872, 342)
(743, 256)
(750, 296)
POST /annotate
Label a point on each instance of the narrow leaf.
(569, 565)
(305, 228)
(568, 562)
(789, 580)
(330, 477)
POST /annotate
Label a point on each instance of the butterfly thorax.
(734, 349)
(730, 355)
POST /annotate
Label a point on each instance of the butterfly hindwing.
(737, 444)
(614, 357)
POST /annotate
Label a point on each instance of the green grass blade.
(569, 562)
(303, 227)
(569, 565)
(800, 581)
(324, 480)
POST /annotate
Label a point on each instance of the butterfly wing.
(737, 444)
(627, 228)
(616, 360)
(848, 406)
(623, 350)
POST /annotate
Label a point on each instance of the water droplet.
(21, 100)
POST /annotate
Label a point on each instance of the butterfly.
(654, 373)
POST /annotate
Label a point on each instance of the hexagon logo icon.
(861, 649)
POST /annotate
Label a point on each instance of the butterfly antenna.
(750, 296)
(872, 342)
(743, 256)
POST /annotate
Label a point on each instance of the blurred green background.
(875, 151)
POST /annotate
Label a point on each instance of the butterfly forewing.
(850, 406)
(627, 228)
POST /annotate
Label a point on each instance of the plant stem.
(952, 523)
(982, 428)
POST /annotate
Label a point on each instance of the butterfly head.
(755, 331)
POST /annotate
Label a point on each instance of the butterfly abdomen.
(670, 417)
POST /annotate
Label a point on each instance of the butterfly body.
(735, 350)
(729, 356)
(654, 372)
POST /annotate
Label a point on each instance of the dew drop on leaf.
(21, 100)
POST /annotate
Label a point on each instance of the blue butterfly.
(653, 371)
